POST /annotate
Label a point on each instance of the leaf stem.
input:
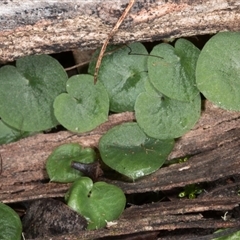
(111, 34)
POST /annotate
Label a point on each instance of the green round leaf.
(126, 149)
(123, 75)
(84, 107)
(8, 134)
(163, 118)
(99, 203)
(10, 224)
(174, 73)
(28, 90)
(59, 162)
(218, 70)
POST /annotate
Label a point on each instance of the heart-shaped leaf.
(84, 107)
(173, 72)
(123, 75)
(127, 149)
(99, 203)
(163, 118)
(59, 162)
(28, 90)
(10, 224)
(218, 70)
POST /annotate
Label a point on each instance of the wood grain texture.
(162, 216)
(35, 27)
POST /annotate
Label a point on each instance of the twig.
(111, 34)
(77, 65)
(87, 62)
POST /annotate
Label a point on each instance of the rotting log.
(35, 27)
(163, 216)
(213, 145)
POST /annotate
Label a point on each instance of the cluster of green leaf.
(98, 202)
(125, 155)
(162, 88)
(159, 87)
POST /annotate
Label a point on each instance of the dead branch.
(36, 27)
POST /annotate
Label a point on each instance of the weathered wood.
(213, 144)
(164, 216)
(36, 27)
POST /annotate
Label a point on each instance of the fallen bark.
(37, 27)
(164, 216)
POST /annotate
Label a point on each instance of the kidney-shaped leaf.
(99, 203)
(218, 70)
(59, 162)
(28, 90)
(174, 73)
(10, 224)
(84, 107)
(123, 75)
(127, 149)
(162, 117)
